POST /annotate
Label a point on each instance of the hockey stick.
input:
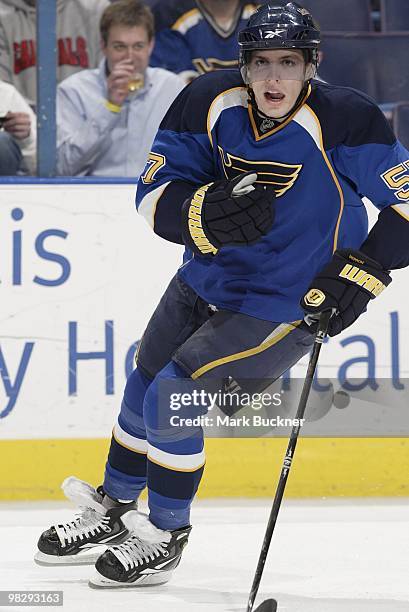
(270, 605)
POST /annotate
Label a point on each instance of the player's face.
(131, 44)
(277, 77)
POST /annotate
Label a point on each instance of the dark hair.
(127, 13)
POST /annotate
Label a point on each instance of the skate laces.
(90, 520)
(134, 552)
(88, 523)
(147, 543)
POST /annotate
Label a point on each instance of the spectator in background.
(78, 40)
(194, 37)
(18, 133)
(107, 118)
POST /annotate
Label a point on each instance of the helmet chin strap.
(296, 104)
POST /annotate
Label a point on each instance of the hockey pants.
(186, 341)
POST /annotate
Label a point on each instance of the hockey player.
(198, 36)
(260, 175)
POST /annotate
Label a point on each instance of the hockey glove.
(345, 285)
(227, 213)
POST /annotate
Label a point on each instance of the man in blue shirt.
(107, 118)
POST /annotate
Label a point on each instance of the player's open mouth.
(274, 97)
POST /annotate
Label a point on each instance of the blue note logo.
(280, 175)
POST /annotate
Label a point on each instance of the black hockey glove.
(345, 285)
(227, 213)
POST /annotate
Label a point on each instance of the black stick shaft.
(292, 443)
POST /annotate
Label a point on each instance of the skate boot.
(148, 557)
(83, 540)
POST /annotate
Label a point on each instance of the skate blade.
(269, 605)
(98, 581)
(85, 558)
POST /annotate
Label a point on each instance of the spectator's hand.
(18, 125)
(118, 80)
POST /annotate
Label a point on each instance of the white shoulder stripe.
(227, 99)
(402, 209)
(248, 10)
(147, 207)
(307, 120)
(124, 438)
(187, 21)
(184, 463)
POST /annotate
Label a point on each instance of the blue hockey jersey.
(189, 41)
(321, 160)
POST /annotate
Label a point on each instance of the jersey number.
(154, 163)
(397, 179)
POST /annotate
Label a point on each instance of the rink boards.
(360, 467)
(80, 274)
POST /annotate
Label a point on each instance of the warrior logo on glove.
(195, 222)
(345, 285)
(362, 278)
(314, 297)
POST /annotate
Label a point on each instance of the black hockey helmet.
(278, 25)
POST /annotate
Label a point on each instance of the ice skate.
(84, 539)
(147, 558)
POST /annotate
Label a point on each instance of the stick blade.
(269, 605)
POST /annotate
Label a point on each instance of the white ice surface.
(326, 556)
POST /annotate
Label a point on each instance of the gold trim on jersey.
(208, 64)
(398, 208)
(278, 334)
(285, 175)
(334, 176)
(224, 93)
(199, 13)
(249, 9)
(178, 25)
(279, 127)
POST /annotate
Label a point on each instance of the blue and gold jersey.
(322, 160)
(189, 41)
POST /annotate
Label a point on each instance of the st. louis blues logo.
(280, 175)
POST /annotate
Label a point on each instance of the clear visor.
(285, 68)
